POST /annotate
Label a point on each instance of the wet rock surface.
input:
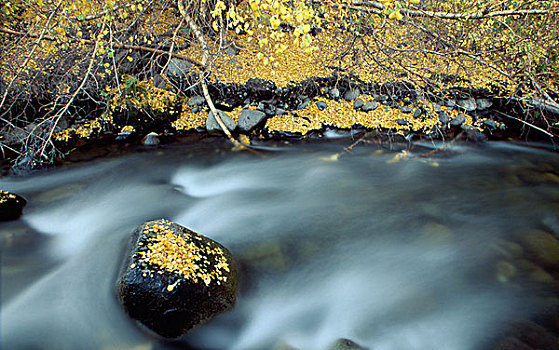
(345, 344)
(173, 278)
(11, 206)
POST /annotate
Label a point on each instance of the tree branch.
(457, 16)
(115, 45)
(206, 54)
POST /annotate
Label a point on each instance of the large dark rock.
(11, 206)
(173, 278)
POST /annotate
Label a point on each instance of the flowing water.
(417, 253)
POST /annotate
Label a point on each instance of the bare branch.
(115, 45)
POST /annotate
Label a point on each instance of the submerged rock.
(11, 206)
(172, 278)
(543, 246)
(345, 344)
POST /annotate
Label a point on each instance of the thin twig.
(172, 46)
(530, 125)
(59, 115)
(28, 58)
(456, 16)
(115, 45)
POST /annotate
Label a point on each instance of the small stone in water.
(151, 139)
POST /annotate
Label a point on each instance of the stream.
(441, 251)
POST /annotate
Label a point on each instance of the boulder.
(173, 279)
(212, 125)
(11, 206)
(249, 119)
(483, 103)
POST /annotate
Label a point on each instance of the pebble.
(352, 94)
(196, 101)
(491, 124)
(321, 105)
(358, 103)
(418, 112)
(369, 106)
(406, 109)
(401, 121)
(443, 117)
(151, 139)
(469, 104)
(458, 120)
(304, 104)
(123, 135)
(334, 93)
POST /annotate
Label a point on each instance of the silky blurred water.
(404, 254)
